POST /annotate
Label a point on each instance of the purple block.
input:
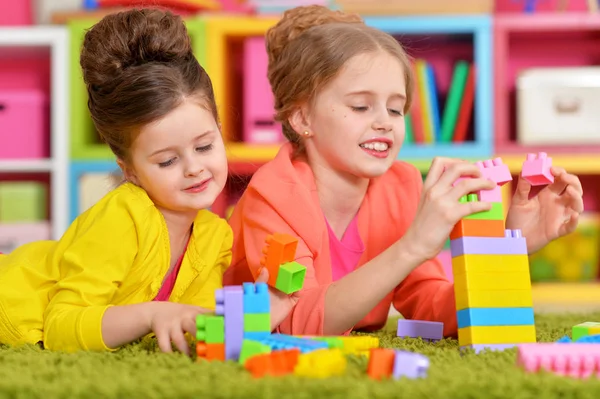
(410, 365)
(493, 347)
(429, 330)
(230, 303)
(488, 246)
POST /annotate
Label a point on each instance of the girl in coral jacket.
(369, 228)
(148, 256)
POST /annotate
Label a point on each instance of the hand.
(439, 208)
(170, 321)
(281, 303)
(552, 213)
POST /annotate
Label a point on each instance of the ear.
(128, 171)
(300, 122)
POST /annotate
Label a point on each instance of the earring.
(306, 133)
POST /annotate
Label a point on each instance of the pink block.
(259, 123)
(496, 170)
(15, 12)
(23, 124)
(494, 195)
(17, 234)
(536, 169)
(574, 360)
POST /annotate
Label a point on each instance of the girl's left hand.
(552, 213)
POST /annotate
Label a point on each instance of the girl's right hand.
(170, 321)
(439, 208)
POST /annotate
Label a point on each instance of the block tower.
(491, 273)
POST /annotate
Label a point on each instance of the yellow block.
(493, 299)
(482, 281)
(221, 31)
(490, 263)
(496, 335)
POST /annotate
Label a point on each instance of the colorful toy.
(284, 273)
(536, 169)
(385, 363)
(577, 361)
(491, 274)
(585, 329)
(427, 330)
(184, 5)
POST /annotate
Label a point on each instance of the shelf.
(548, 22)
(574, 163)
(28, 165)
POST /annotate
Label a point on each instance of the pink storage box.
(259, 123)
(15, 12)
(17, 234)
(23, 124)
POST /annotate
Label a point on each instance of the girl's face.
(180, 160)
(356, 122)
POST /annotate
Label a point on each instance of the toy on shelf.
(577, 361)
(490, 266)
(426, 330)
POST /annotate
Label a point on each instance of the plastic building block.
(494, 317)
(493, 169)
(492, 281)
(256, 298)
(257, 322)
(536, 169)
(478, 348)
(477, 228)
(359, 344)
(488, 246)
(381, 363)
(321, 363)
(251, 348)
(256, 335)
(589, 339)
(275, 363)
(474, 298)
(490, 263)
(410, 365)
(290, 277)
(430, 330)
(282, 341)
(210, 329)
(493, 195)
(577, 361)
(230, 303)
(584, 329)
(496, 335)
(332, 342)
(495, 213)
(206, 351)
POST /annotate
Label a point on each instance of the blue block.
(589, 339)
(471, 317)
(256, 335)
(256, 298)
(282, 341)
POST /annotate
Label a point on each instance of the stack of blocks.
(491, 273)
(278, 257)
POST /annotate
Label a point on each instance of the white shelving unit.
(56, 38)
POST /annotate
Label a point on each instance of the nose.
(382, 122)
(193, 167)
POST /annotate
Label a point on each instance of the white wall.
(44, 8)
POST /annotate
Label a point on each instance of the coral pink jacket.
(282, 197)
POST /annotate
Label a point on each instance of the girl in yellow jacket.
(147, 257)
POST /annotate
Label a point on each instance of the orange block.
(279, 249)
(275, 363)
(477, 228)
(210, 351)
(381, 363)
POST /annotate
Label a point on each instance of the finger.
(164, 341)
(263, 275)
(522, 191)
(458, 170)
(468, 186)
(560, 184)
(570, 180)
(437, 168)
(569, 226)
(571, 199)
(179, 340)
(189, 326)
(468, 208)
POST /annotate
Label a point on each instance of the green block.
(496, 213)
(252, 348)
(85, 141)
(23, 202)
(332, 342)
(291, 277)
(583, 330)
(257, 322)
(210, 329)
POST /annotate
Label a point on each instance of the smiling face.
(356, 123)
(180, 160)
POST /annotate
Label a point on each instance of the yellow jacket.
(115, 253)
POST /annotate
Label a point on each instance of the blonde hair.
(307, 49)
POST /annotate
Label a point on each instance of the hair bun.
(126, 39)
(297, 20)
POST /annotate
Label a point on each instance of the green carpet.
(141, 371)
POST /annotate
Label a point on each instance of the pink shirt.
(165, 291)
(345, 253)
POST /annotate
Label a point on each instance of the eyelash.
(363, 109)
(205, 148)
